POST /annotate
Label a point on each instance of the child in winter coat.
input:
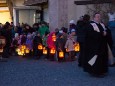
(70, 46)
(37, 41)
(60, 43)
(29, 43)
(51, 45)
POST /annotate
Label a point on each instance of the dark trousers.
(81, 55)
(71, 55)
(37, 53)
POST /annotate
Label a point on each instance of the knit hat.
(72, 22)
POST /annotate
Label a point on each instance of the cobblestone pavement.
(28, 72)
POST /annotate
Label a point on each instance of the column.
(58, 14)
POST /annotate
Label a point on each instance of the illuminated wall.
(4, 15)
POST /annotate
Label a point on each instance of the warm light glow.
(67, 50)
(40, 47)
(61, 54)
(1, 50)
(52, 51)
(23, 47)
(54, 37)
(44, 51)
(27, 51)
(5, 16)
(77, 47)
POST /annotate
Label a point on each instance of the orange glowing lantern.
(52, 51)
(17, 50)
(40, 47)
(77, 47)
(23, 47)
(44, 51)
(22, 52)
(61, 54)
(54, 37)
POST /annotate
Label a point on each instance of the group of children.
(58, 44)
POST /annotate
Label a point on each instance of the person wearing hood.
(72, 25)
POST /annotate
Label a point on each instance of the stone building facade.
(60, 12)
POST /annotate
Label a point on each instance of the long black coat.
(96, 44)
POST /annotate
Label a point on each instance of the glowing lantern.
(27, 51)
(23, 47)
(40, 47)
(61, 54)
(54, 37)
(52, 51)
(45, 51)
(77, 47)
(17, 50)
(22, 52)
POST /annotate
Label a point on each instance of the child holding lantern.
(36, 42)
(29, 43)
(51, 45)
(60, 43)
(70, 46)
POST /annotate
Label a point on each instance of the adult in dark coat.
(81, 33)
(96, 50)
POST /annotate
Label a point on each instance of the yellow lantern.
(17, 50)
(40, 47)
(61, 54)
(19, 53)
(54, 37)
(77, 47)
(22, 52)
(44, 51)
(23, 47)
(52, 51)
(27, 51)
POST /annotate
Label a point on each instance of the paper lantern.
(23, 47)
(40, 47)
(52, 51)
(77, 47)
(61, 54)
(54, 37)
(45, 51)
